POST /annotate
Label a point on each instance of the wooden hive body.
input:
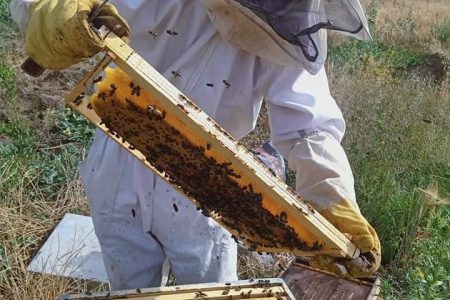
(267, 289)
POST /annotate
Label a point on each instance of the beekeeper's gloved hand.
(348, 220)
(59, 34)
(324, 178)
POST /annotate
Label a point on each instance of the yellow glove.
(325, 179)
(349, 221)
(59, 34)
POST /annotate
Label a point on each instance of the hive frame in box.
(306, 282)
(269, 289)
(278, 198)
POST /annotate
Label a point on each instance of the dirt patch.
(435, 67)
(47, 92)
(35, 96)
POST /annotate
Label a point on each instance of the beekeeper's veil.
(287, 32)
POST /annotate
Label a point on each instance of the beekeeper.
(226, 55)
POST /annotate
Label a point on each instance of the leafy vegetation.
(5, 17)
(444, 32)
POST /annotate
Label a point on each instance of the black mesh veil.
(298, 21)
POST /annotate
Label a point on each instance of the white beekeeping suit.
(139, 219)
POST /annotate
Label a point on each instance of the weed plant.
(443, 32)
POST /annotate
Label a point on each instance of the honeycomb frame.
(307, 233)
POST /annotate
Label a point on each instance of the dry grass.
(254, 265)
(26, 219)
(412, 23)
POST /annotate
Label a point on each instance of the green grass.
(398, 143)
(29, 150)
(356, 54)
(443, 32)
(428, 272)
(406, 142)
(5, 17)
(8, 29)
(8, 88)
(54, 166)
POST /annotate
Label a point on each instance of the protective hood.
(287, 32)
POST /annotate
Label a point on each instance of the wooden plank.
(270, 289)
(277, 198)
(376, 291)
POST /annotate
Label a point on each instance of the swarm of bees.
(130, 113)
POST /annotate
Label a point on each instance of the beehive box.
(307, 283)
(267, 289)
(164, 129)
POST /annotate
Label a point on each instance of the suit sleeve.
(307, 127)
(20, 12)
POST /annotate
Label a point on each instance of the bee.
(283, 217)
(113, 90)
(176, 74)
(208, 146)
(272, 172)
(227, 83)
(131, 147)
(77, 101)
(210, 84)
(98, 79)
(135, 89)
(182, 107)
(89, 106)
(133, 213)
(102, 96)
(154, 35)
(200, 294)
(152, 110)
(172, 32)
